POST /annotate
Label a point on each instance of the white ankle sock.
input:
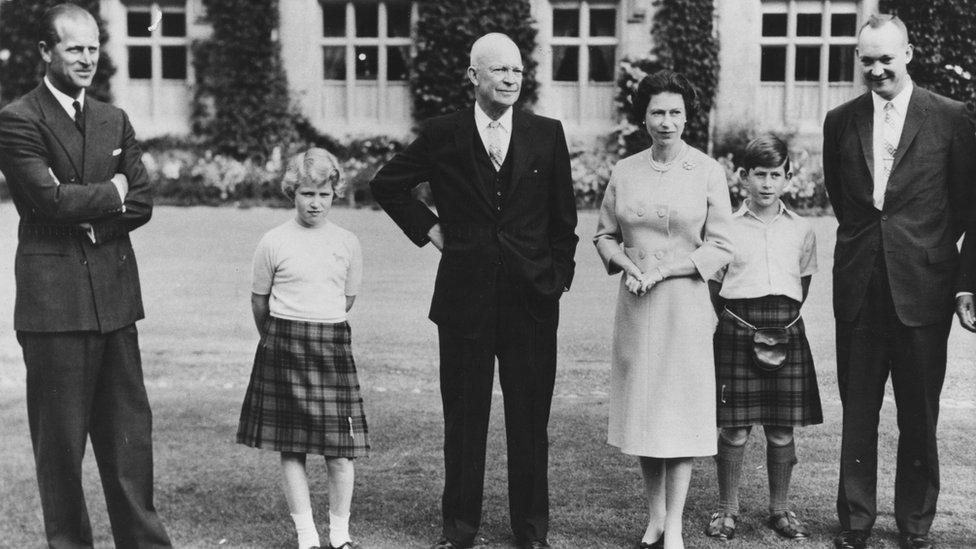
(338, 530)
(308, 535)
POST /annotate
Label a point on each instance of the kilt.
(747, 395)
(304, 392)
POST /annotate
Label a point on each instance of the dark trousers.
(870, 348)
(82, 384)
(526, 351)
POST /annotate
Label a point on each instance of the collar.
(900, 101)
(64, 99)
(481, 119)
(744, 211)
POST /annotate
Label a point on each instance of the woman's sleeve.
(716, 249)
(262, 267)
(608, 236)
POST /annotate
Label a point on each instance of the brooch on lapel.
(688, 165)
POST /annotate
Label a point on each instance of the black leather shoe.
(659, 544)
(535, 544)
(852, 539)
(914, 541)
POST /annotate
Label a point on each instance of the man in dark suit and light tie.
(77, 180)
(899, 165)
(505, 225)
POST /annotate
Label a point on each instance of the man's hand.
(121, 183)
(436, 236)
(966, 312)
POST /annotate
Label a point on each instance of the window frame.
(156, 41)
(381, 42)
(584, 40)
(826, 8)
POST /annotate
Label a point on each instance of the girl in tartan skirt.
(303, 397)
(763, 287)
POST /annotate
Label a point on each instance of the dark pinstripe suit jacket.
(65, 282)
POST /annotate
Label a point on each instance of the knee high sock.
(308, 535)
(779, 465)
(728, 462)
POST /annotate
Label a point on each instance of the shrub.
(23, 69)
(445, 32)
(187, 172)
(591, 167)
(685, 42)
(241, 106)
(942, 32)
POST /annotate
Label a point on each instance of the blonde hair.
(314, 167)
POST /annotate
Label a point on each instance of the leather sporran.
(769, 346)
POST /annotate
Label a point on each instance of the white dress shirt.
(900, 103)
(66, 100)
(481, 121)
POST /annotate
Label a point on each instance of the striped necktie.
(889, 145)
(494, 143)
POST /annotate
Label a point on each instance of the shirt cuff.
(960, 294)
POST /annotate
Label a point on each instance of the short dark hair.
(765, 151)
(661, 82)
(878, 20)
(47, 30)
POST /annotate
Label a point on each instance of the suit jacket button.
(641, 254)
(84, 262)
(659, 255)
(884, 218)
(640, 212)
(661, 212)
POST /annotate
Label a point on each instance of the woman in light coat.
(664, 223)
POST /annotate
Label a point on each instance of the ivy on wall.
(685, 42)
(445, 32)
(241, 106)
(944, 35)
(21, 68)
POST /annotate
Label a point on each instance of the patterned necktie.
(79, 117)
(494, 144)
(889, 146)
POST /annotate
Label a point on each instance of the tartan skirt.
(304, 392)
(747, 395)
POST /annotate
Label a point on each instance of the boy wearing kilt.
(761, 381)
(303, 397)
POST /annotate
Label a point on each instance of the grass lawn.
(197, 347)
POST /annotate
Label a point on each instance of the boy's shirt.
(770, 258)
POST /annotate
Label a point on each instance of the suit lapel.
(519, 148)
(464, 129)
(63, 128)
(914, 118)
(95, 138)
(864, 121)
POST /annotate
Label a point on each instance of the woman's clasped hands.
(639, 283)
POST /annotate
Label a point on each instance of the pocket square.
(116, 152)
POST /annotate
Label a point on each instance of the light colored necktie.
(494, 143)
(889, 145)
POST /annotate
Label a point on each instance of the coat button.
(658, 255)
(642, 255)
(884, 218)
(640, 212)
(661, 212)
(84, 262)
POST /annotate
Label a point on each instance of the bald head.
(491, 44)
